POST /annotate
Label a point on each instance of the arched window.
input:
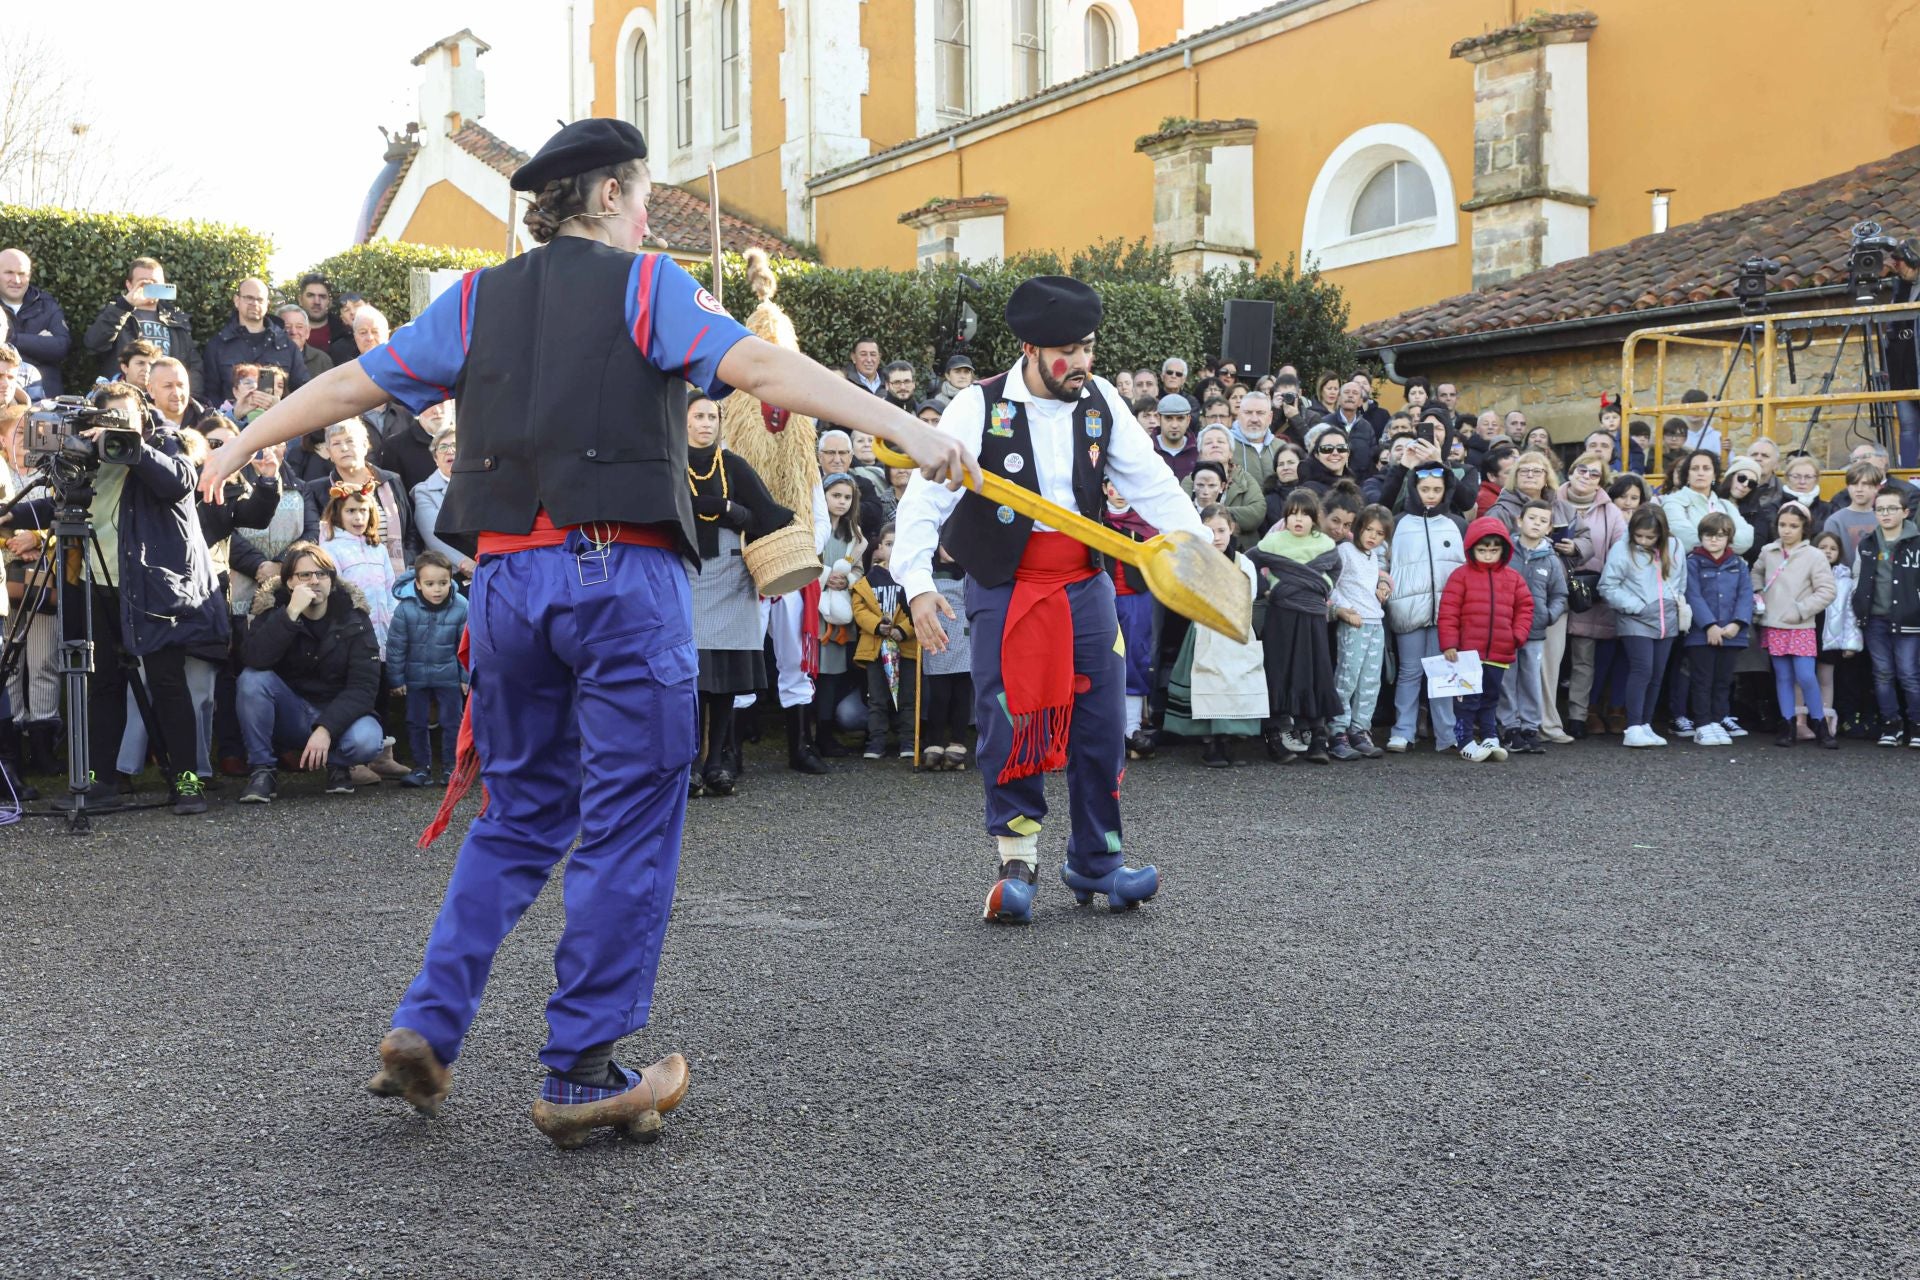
(1029, 47)
(1384, 191)
(1400, 193)
(639, 82)
(683, 73)
(1102, 43)
(729, 64)
(951, 45)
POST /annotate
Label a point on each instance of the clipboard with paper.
(1454, 679)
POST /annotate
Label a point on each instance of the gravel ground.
(1598, 1014)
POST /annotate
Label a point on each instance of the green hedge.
(81, 259)
(378, 270)
(1149, 314)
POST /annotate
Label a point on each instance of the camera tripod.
(67, 572)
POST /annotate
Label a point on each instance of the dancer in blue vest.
(570, 363)
(1049, 674)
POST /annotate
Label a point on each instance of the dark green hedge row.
(379, 272)
(1149, 314)
(81, 259)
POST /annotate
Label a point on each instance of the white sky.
(296, 163)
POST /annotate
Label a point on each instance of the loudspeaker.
(1246, 338)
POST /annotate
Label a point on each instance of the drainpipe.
(1388, 356)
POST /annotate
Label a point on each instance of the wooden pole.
(713, 216)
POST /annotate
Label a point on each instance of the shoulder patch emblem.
(707, 302)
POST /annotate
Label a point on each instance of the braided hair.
(566, 198)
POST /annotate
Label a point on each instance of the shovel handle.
(1030, 504)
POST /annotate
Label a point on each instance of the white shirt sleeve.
(1143, 478)
(927, 503)
(822, 524)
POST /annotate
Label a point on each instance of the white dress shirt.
(1133, 465)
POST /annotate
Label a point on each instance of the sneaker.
(1341, 749)
(1712, 735)
(418, 778)
(1653, 739)
(1576, 730)
(1914, 741)
(1495, 752)
(1530, 743)
(1682, 727)
(872, 753)
(1478, 751)
(262, 786)
(1891, 738)
(189, 795)
(1292, 741)
(1397, 744)
(1638, 735)
(339, 780)
(1732, 729)
(1140, 745)
(906, 753)
(1362, 743)
(1277, 750)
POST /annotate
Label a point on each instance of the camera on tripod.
(54, 433)
(1867, 259)
(1750, 283)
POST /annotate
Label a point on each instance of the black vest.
(989, 539)
(559, 409)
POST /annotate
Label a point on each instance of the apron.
(726, 607)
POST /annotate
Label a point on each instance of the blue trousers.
(1136, 629)
(1646, 659)
(583, 713)
(1096, 746)
(421, 700)
(1479, 712)
(1896, 668)
(1410, 682)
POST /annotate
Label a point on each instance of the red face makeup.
(1059, 367)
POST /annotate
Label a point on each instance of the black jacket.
(114, 330)
(1904, 559)
(402, 445)
(234, 345)
(38, 331)
(333, 661)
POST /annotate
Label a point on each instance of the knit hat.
(1741, 462)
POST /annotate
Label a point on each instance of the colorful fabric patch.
(1093, 455)
(1001, 414)
(1004, 515)
(1024, 826)
(1094, 427)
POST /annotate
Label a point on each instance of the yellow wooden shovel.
(1182, 570)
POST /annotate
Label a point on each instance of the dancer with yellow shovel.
(1048, 668)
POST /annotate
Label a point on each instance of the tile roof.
(392, 188)
(676, 219)
(1805, 229)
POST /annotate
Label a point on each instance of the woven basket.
(783, 561)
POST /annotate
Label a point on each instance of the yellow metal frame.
(1763, 355)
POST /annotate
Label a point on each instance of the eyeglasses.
(1587, 471)
(1532, 471)
(310, 575)
(1889, 511)
(1333, 448)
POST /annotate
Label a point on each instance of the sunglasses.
(1333, 448)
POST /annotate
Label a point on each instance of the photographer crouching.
(162, 605)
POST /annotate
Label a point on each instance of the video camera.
(1867, 258)
(54, 433)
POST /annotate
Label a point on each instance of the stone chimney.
(1530, 198)
(1203, 192)
(452, 89)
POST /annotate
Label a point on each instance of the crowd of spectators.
(288, 628)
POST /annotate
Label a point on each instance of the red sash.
(1036, 654)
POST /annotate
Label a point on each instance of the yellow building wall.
(449, 216)
(887, 110)
(1159, 22)
(603, 43)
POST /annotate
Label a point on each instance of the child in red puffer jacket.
(1488, 608)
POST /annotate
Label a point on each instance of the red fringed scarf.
(466, 765)
(1036, 654)
(810, 629)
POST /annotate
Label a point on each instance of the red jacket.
(1486, 609)
(1490, 492)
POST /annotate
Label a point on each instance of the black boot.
(40, 739)
(826, 743)
(1216, 753)
(1823, 736)
(801, 757)
(10, 780)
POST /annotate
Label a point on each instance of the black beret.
(1053, 311)
(581, 147)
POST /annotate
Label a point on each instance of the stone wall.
(1561, 391)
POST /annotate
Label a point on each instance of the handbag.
(1583, 589)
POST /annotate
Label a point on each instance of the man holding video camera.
(145, 310)
(162, 603)
(251, 337)
(1903, 350)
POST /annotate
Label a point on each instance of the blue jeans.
(1479, 719)
(1410, 680)
(273, 718)
(420, 703)
(1908, 412)
(1646, 659)
(1896, 669)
